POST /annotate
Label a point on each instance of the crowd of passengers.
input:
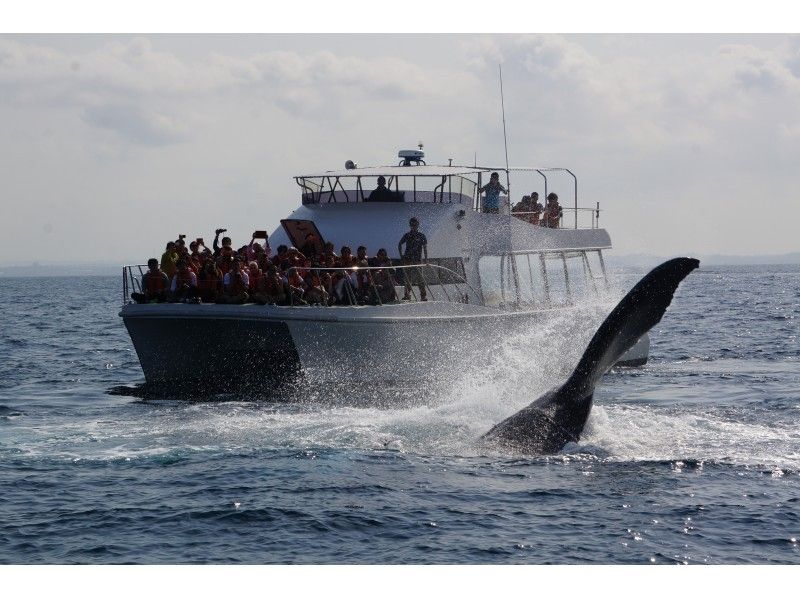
(528, 209)
(194, 273)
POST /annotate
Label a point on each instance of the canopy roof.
(398, 171)
(432, 171)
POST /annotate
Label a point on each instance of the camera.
(221, 230)
(181, 236)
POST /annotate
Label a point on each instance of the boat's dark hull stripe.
(212, 354)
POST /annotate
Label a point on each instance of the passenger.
(536, 209)
(416, 244)
(383, 279)
(327, 283)
(273, 290)
(226, 241)
(254, 276)
(310, 248)
(169, 258)
(297, 286)
(329, 257)
(226, 260)
(553, 212)
(294, 257)
(254, 248)
(491, 201)
(363, 276)
(344, 282)
(316, 293)
(241, 255)
(282, 259)
(381, 192)
(235, 285)
(184, 283)
(346, 259)
(197, 257)
(209, 282)
(256, 252)
(522, 208)
(155, 283)
(198, 249)
(263, 262)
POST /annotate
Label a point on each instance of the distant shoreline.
(71, 269)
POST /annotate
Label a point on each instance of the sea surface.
(693, 458)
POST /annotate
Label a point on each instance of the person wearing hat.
(416, 245)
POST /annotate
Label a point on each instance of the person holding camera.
(226, 241)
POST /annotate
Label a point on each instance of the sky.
(114, 144)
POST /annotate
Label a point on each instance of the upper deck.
(413, 181)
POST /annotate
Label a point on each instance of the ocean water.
(693, 458)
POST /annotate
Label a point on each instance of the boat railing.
(358, 285)
(579, 218)
(131, 281)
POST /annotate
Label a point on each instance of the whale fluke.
(558, 416)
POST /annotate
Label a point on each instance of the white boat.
(487, 276)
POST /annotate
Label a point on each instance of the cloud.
(135, 124)
(138, 91)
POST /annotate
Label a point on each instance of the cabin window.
(497, 279)
(532, 288)
(548, 279)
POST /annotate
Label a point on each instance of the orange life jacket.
(154, 283)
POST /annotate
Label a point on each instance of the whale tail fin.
(559, 416)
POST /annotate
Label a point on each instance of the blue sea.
(693, 458)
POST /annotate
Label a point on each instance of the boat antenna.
(505, 136)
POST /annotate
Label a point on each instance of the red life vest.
(208, 282)
(154, 283)
(255, 279)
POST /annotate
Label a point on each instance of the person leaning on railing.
(155, 284)
(416, 244)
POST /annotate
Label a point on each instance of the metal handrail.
(132, 283)
(595, 213)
